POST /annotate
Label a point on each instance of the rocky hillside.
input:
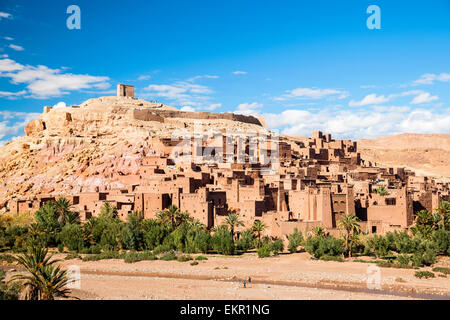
(427, 154)
(83, 148)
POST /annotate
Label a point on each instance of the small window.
(374, 229)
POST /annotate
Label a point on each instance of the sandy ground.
(293, 276)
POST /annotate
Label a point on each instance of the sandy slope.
(428, 154)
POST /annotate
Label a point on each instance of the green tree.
(44, 280)
(295, 239)
(424, 224)
(351, 226)
(233, 221)
(444, 211)
(259, 227)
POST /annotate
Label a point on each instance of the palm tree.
(259, 227)
(172, 215)
(44, 281)
(350, 225)
(62, 207)
(319, 231)
(444, 211)
(233, 221)
(108, 210)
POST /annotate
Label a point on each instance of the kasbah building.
(307, 183)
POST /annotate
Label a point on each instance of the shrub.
(60, 248)
(103, 256)
(194, 263)
(320, 246)
(403, 260)
(154, 233)
(132, 235)
(331, 258)
(131, 257)
(441, 238)
(265, 250)
(295, 239)
(277, 246)
(8, 291)
(441, 270)
(222, 241)
(246, 241)
(71, 236)
(184, 258)
(162, 248)
(200, 258)
(424, 274)
(379, 245)
(72, 256)
(169, 256)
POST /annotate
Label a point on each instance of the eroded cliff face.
(88, 147)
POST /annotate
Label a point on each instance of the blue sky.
(303, 65)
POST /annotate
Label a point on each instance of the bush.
(162, 249)
(169, 256)
(265, 250)
(222, 242)
(154, 233)
(404, 261)
(277, 246)
(295, 239)
(424, 274)
(72, 256)
(379, 245)
(131, 257)
(441, 270)
(103, 256)
(200, 258)
(441, 238)
(184, 258)
(331, 258)
(194, 263)
(246, 241)
(8, 291)
(132, 235)
(321, 246)
(60, 248)
(71, 236)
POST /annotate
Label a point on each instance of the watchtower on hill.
(124, 90)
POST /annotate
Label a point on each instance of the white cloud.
(213, 106)
(144, 77)
(430, 78)
(238, 72)
(16, 47)
(7, 65)
(423, 98)
(367, 123)
(9, 38)
(248, 108)
(369, 99)
(3, 56)
(205, 76)
(188, 109)
(13, 122)
(310, 93)
(43, 82)
(12, 94)
(5, 15)
(60, 104)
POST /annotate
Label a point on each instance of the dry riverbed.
(293, 276)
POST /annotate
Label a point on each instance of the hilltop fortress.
(145, 156)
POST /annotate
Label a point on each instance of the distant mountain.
(427, 154)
